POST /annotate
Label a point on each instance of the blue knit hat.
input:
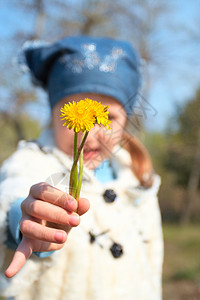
(82, 64)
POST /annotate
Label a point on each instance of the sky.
(181, 81)
(175, 84)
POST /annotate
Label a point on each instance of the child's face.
(100, 141)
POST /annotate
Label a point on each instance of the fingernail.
(59, 236)
(74, 219)
(72, 202)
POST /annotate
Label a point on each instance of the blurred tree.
(157, 144)
(184, 154)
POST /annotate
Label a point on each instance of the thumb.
(22, 253)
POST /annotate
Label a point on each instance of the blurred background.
(166, 116)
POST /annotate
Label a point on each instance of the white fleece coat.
(84, 270)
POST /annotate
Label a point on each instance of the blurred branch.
(40, 19)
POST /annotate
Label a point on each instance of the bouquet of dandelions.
(81, 117)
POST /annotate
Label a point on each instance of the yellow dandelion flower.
(100, 112)
(77, 116)
(81, 116)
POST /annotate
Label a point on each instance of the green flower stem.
(80, 176)
(75, 177)
(76, 161)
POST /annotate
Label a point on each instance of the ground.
(181, 273)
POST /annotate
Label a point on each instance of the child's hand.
(47, 217)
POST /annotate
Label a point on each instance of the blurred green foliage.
(176, 157)
(12, 130)
(184, 142)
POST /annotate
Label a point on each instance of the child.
(116, 251)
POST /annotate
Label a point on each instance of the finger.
(48, 193)
(83, 206)
(23, 252)
(36, 231)
(51, 213)
(40, 246)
